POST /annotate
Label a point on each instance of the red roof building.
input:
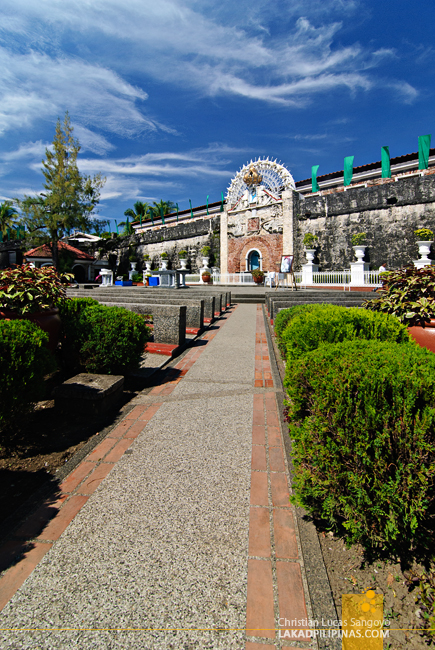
(82, 263)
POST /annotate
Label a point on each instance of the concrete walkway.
(176, 531)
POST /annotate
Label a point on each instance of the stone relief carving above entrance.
(258, 183)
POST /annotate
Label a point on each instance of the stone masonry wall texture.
(388, 213)
(387, 210)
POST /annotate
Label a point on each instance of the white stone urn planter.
(424, 250)
(133, 266)
(164, 264)
(310, 254)
(360, 251)
(205, 261)
(148, 265)
(183, 263)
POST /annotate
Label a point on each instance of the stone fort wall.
(387, 210)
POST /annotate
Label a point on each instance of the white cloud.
(91, 141)
(215, 49)
(32, 150)
(34, 86)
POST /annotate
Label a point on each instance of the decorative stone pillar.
(309, 268)
(424, 250)
(357, 270)
(106, 278)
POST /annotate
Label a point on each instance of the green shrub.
(137, 277)
(362, 417)
(116, 340)
(74, 330)
(101, 339)
(331, 324)
(408, 294)
(282, 320)
(24, 361)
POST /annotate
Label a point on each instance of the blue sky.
(169, 98)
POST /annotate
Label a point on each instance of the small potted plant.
(147, 260)
(164, 259)
(132, 259)
(33, 294)
(310, 242)
(205, 251)
(258, 276)
(182, 256)
(409, 294)
(146, 278)
(137, 280)
(206, 277)
(359, 241)
(424, 238)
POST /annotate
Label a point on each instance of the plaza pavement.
(176, 531)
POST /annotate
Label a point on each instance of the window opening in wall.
(253, 260)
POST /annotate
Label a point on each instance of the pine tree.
(69, 198)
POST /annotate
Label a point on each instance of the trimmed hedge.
(283, 318)
(362, 418)
(101, 339)
(24, 361)
(323, 324)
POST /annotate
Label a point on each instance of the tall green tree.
(8, 217)
(140, 210)
(166, 206)
(69, 197)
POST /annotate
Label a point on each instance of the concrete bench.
(194, 309)
(169, 325)
(277, 305)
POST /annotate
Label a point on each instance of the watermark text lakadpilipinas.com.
(362, 626)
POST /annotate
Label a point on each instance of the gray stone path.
(163, 541)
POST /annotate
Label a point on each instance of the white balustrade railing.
(233, 278)
(192, 278)
(372, 277)
(320, 278)
(332, 277)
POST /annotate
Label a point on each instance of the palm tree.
(162, 206)
(141, 210)
(8, 216)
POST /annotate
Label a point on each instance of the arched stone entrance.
(257, 223)
(253, 260)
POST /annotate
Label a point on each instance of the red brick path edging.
(275, 587)
(34, 538)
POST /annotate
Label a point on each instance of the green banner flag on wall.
(117, 229)
(423, 151)
(314, 183)
(191, 210)
(208, 196)
(222, 201)
(385, 161)
(348, 170)
(176, 205)
(162, 215)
